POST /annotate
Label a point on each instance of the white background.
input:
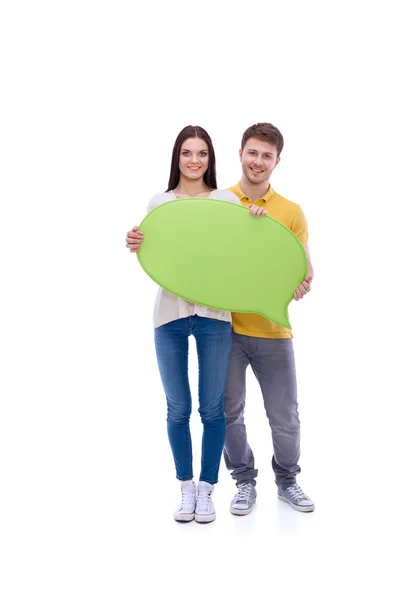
(93, 96)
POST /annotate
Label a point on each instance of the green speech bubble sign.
(211, 252)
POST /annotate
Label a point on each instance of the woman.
(193, 174)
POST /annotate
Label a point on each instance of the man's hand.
(133, 239)
(257, 211)
(303, 288)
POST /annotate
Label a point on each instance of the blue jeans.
(213, 341)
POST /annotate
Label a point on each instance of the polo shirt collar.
(237, 190)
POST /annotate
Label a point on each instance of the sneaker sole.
(242, 512)
(184, 518)
(204, 518)
(296, 507)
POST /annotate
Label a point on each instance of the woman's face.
(193, 158)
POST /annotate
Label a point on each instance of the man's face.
(258, 160)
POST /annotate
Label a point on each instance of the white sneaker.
(185, 511)
(205, 512)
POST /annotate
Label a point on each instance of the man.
(266, 347)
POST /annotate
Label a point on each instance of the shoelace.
(204, 502)
(296, 492)
(244, 492)
(187, 501)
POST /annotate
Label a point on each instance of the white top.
(168, 307)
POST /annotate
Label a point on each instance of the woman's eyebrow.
(187, 150)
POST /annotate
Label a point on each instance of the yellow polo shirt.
(291, 215)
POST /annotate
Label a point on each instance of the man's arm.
(305, 285)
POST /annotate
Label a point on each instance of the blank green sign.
(211, 252)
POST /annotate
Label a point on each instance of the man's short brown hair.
(266, 132)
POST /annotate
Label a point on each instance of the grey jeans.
(273, 364)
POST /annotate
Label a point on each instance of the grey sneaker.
(243, 502)
(297, 499)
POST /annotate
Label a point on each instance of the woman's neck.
(190, 188)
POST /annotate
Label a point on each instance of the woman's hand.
(133, 239)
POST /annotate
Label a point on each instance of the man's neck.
(253, 190)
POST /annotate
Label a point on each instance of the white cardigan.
(168, 307)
